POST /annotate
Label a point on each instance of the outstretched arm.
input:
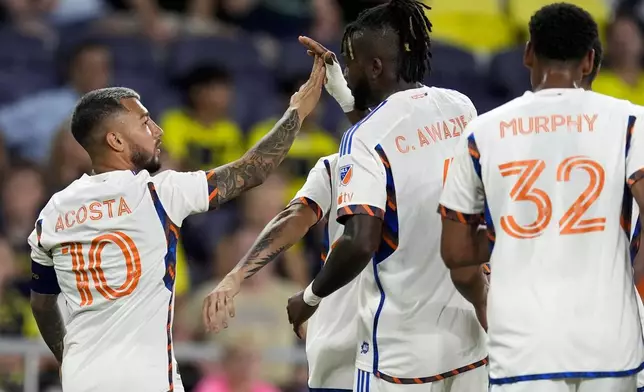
(284, 231)
(229, 181)
(281, 233)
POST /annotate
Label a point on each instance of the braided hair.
(408, 20)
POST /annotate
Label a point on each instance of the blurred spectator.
(635, 8)
(68, 161)
(259, 308)
(621, 74)
(30, 125)
(240, 364)
(201, 135)
(14, 309)
(23, 195)
(12, 303)
(284, 18)
(161, 20)
(312, 141)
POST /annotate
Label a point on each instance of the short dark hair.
(94, 107)
(408, 20)
(562, 32)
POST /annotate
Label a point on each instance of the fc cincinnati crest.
(346, 172)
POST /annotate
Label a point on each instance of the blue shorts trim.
(550, 376)
(329, 390)
(640, 389)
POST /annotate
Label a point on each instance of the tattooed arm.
(311, 203)
(286, 229)
(252, 169)
(50, 322)
(229, 181)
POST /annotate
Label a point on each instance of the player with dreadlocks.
(413, 326)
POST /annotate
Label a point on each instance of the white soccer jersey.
(550, 172)
(331, 332)
(413, 324)
(112, 240)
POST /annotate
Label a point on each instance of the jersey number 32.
(84, 267)
(572, 221)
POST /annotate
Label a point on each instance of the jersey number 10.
(93, 266)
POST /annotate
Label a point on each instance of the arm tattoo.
(50, 322)
(254, 167)
(287, 228)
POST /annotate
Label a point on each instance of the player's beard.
(144, 161)
(362, 95)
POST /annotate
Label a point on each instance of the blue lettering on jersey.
(346, 172)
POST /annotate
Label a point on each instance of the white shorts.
(475, 380)
(614, 384)
(640, 381)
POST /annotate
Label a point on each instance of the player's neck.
(557, 78)
(397, 87)
(99, 167)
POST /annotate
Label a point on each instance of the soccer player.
(635, 222)
(331, 333)
(413, 326)
(108, 241)
(553, 172)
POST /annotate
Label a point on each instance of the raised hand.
(314, 48)
(308, 96)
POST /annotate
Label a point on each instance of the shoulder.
(451, 96)
(507, 110)
(169, 176)
(374, 126)
(602, 100)
(327, 163)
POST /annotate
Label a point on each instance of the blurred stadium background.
(215, 74)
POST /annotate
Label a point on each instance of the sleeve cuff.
(360, 209)
(468, 219)
(309, 203)
(43, 279)
(638, 175)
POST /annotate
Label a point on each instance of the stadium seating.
(27, 65)
(479, 25)
(520, 11)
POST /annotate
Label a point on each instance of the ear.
(528, 55)
(376, 68)
(115, 141)
(587, 63)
